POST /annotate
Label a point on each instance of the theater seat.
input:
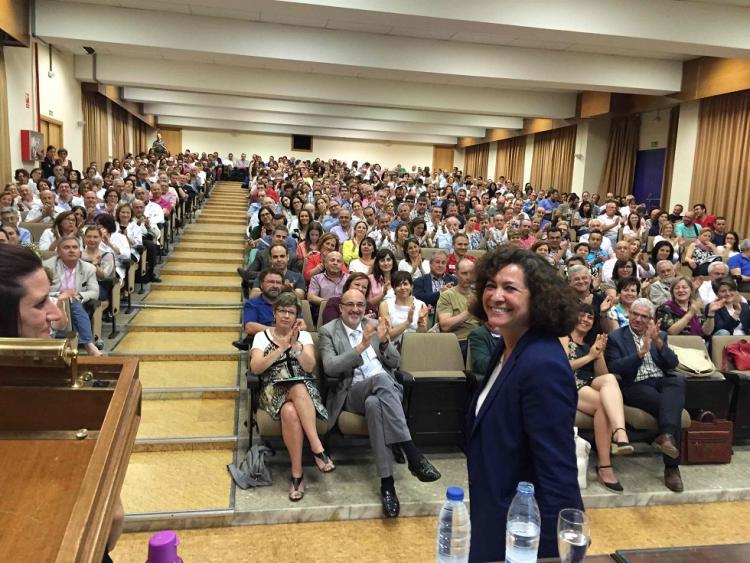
(307, 315)
(584, 421)
(36, 229)
(641, 420)
(439, 395)
(718, 343)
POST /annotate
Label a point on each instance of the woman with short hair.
(284, 359)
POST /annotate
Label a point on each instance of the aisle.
(189, 368)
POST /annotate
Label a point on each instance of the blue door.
(649, 176)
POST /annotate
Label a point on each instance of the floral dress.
(273, 390)
(585, 374)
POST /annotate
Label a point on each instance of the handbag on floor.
(707, 442)
(253, 471)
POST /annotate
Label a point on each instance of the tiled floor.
(177, 341)
(186, 418)
(188, 374)
(185, 316)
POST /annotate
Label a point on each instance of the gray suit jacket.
(339, 361)
(86, 283)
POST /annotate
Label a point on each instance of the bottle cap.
(162, 547)
(454, 493)
(526, 488)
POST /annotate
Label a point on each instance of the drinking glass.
(573, 535)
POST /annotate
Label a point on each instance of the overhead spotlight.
(89, 50)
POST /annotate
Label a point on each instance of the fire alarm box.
(32, 145)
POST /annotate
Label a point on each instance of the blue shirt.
(548, 205)
(741, 262)
(258, 310)
(24, 236)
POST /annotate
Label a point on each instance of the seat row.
(438, 386)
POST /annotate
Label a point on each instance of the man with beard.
(257, 315)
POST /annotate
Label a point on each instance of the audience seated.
(640, 355)
(284, 358)
(358, 354)
(404, 312)
(683, 313)
(598, 395)
(732, 316)
(453, 307)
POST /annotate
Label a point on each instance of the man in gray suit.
(75, 279)
(362, 357)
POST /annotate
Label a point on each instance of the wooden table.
(699, 554)
(59, 483)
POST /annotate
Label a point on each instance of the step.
(231, 328)
(167, 342)
(213, 228)
(201, 317)
(194, 393)
(193, 298)
(229, 280)
(185, 444)
(187, 258)
(187, 418)
(182, 356)
(223, 247)
(235, 257)
(202, 286)
(216, 269)
(222, 221)
(177, 481)
(187, 374)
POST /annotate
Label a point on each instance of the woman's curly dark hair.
(657, 247)
(553, 304)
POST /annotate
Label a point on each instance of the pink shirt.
(69, 279)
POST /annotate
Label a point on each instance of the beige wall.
(654, 130)
(59, 98)
(18, 74)
(385, 153)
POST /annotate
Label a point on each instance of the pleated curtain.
(622, 151)
(95, 130)
(476, 160)
(721, 169)
(6, 173)
(552, 164)
(120, 135)
(510, 159)
(140, 137)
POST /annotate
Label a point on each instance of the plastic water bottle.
(454, 528)
(524, 526)
(162, 548)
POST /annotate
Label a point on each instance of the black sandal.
(295, 495)
(328, 464)
(611, 487)
(620, 448)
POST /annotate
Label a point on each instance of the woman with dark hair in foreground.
(26, 311)
(520, 422)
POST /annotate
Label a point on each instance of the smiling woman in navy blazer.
(520, 423)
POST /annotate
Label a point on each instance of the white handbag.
(583, 449)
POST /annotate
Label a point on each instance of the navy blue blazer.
(423, 288)
(623, 358)
(523, 432)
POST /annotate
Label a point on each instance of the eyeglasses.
(353, 305)
(289, 312)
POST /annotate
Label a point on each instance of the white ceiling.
(419, 69)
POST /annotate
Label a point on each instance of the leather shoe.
(425, 471)
(398, 454)
(673, 479)
(241, 345)
(391, 506)
(665, 444)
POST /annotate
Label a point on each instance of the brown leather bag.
(707, 442)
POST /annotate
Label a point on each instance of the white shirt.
(371, 365)
(606, 221)
(154, 212)
(487, 388)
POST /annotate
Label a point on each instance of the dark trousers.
(151, 257)
(663, 398)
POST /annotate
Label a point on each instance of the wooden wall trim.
(14, 20)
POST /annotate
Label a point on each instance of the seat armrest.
(474, 380)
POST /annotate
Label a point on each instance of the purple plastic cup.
(162, 548)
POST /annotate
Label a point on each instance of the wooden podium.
(67, 427)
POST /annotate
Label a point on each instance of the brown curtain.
(6, 172)
(622, 151)
(666, 187)
(476, 160)
(95, 130)
(552, 164)
(120, 135)
(140, 136)
(721, 169)
(510, 158)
